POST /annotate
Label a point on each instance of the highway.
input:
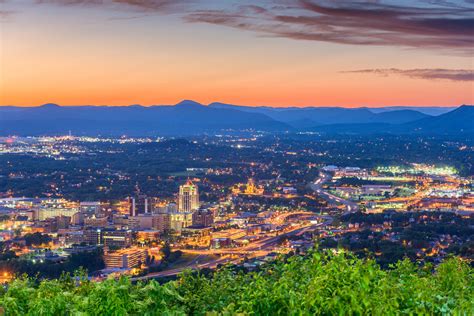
(331, 198)
(258, 248)
(193, 265)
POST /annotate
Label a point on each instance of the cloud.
(429, 24)
(437, 25)
(161, 6)
(430, 74)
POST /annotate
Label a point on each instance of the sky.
(272, 52)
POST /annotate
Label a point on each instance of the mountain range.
(192, 118)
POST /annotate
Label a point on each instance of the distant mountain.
(399, 116)
(185, 118)
(429, 110)
(192, 118)
(458, 121)
(300, 117)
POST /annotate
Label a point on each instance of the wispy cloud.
(441, 25)
(161, 6)
(430, 74)
(431, 24)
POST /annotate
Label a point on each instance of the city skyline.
(237, 157)
(274, 53)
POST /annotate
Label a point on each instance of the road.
(193, 266)
(317, 187)
(258, 248)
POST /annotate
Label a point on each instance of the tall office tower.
(139, 204)
(188, 199)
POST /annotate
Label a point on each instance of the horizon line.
(231, 104)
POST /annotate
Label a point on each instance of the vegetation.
(320, 283)
(91, 260)
(413, 235)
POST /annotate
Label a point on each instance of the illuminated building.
(108, 237)
(376, 189)
(95, 221)
(89, 208)
(118, 238)
(250, 188)
(141, 221)
(148, 235)
(217, 243)
(188, 198)
(125, 258)
(351, 172)
(50, 212)
(161, 222)
(180, 220)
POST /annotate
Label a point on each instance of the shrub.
(318, 284)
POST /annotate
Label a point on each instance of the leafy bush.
(318, 284)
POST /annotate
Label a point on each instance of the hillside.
(460, 120)
(457, 122)
(319, 284)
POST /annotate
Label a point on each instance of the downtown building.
(188, 198)
(125, 258)
(188, 203)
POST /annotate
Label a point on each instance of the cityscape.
(213, 212)
(204, 157)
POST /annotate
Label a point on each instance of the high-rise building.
(188, 199)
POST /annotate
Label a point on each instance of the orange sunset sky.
(307, 53)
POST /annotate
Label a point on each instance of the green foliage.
(90, 260)
(318, 284)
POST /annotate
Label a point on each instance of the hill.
(429, 110)
(318, 284)
(301, 117)
(192, 118)
(458, 121)
(184, 118)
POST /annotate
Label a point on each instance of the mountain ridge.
(189, 117)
